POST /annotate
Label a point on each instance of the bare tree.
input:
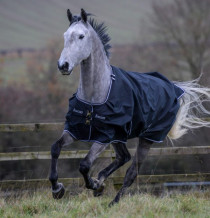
(184, 25)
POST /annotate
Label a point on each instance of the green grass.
(84, 205)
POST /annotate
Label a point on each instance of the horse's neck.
(95, 77)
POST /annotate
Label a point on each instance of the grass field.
(84, 205)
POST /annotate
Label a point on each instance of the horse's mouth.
(66, 73)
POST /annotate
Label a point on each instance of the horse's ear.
(69, 15)
(84, 15)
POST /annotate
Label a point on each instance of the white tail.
(192, 111)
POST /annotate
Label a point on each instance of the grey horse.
(86, 43)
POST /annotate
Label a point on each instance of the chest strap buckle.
(88, 118)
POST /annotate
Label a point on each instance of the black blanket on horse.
(138, 105)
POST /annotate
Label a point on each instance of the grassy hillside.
(30, 24)
(84, 205)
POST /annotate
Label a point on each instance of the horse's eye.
(81, 36)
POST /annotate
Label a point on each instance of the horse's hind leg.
(131, 173)
(58, 188)
(122, 157)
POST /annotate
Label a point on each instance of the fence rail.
(116, 180)
(40, 155)
(28, 127)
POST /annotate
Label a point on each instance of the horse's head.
(77, 43)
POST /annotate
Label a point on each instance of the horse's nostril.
(63, 67)
(66, 66)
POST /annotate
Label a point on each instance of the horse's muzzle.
(64, 69)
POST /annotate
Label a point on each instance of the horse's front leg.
(87, 162)
(122, 157)
(58, 188)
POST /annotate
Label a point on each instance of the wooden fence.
(116, 180)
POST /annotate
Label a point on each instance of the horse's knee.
(127, 158)
(122, 154)
(124, 159)
(55, 150)
(84, 166)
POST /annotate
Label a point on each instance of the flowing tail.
(192, 112)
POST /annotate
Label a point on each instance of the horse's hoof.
(98, 192)
(112, 203)
(59, 192)
(115, 201)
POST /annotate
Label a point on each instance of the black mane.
(100, 29)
